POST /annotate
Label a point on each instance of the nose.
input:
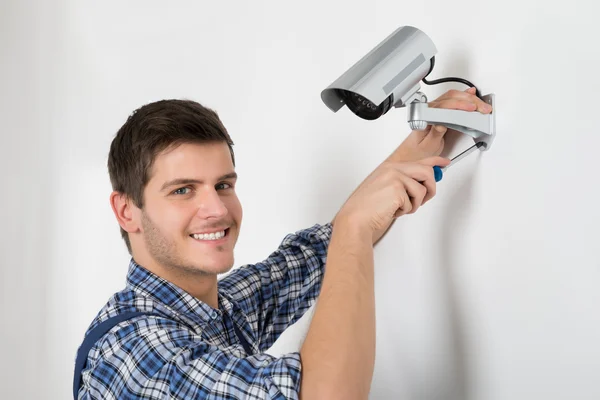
(210, 205)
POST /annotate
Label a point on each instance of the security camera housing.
(388, 76)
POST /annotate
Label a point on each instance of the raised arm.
(338, 353)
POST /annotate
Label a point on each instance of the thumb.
(433, 161)
(439, 130)
(435, 136)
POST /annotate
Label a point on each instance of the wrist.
(352, 228)
(399, 155)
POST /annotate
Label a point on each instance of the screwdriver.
(438, 171)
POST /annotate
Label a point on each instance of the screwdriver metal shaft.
(439, 171)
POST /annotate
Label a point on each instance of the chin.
(214, 257)
(214, 268)
(224, 270)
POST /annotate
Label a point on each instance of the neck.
(201, 285)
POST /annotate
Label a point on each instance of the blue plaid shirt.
(190, 350)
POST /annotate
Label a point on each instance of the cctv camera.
(388, 76)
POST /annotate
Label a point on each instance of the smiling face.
(191, 217)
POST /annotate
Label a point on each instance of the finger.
(433, 161)
(436, 133)
(482, 106)
(404, 200)
(429, 184)
(421, 170)
(435, 139)
(414, 170)
(416, 192)
(454, 103)
(439, 130)
(423, 175)
(453, 93)
(426, 178)
(468, 95)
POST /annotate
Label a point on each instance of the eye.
(223, 185)
(182, 190)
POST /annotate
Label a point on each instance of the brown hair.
(151, 129)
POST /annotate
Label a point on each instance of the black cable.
(450, 79)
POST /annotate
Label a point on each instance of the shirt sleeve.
(161, 359)
(276, 293)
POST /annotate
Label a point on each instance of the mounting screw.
(418, 125)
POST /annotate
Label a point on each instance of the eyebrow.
(188, 181)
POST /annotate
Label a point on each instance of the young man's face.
(191, 215)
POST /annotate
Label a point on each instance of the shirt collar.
(160, 290)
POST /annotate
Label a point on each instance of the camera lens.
(363, 107)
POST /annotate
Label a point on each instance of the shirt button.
(214, 314)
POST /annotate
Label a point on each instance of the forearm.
(401, 154)
(419, 145)
(338, 354)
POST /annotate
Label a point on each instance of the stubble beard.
(164, 251)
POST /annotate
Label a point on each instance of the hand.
(393, 189)
(430, 142)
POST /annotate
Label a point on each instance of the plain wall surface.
(489, 292)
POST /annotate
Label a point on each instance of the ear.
(125, 211)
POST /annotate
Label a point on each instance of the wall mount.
(481, 127)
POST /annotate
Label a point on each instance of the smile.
(209, 236)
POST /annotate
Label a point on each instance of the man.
(178, 332)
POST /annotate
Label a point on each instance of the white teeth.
(209, 236)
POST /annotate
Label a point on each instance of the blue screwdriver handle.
(437, 173)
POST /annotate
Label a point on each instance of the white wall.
(489, 292)
(28, 39)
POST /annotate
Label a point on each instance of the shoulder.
(131, 320)
(144, 344)
(134, 336)
(129, 335)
